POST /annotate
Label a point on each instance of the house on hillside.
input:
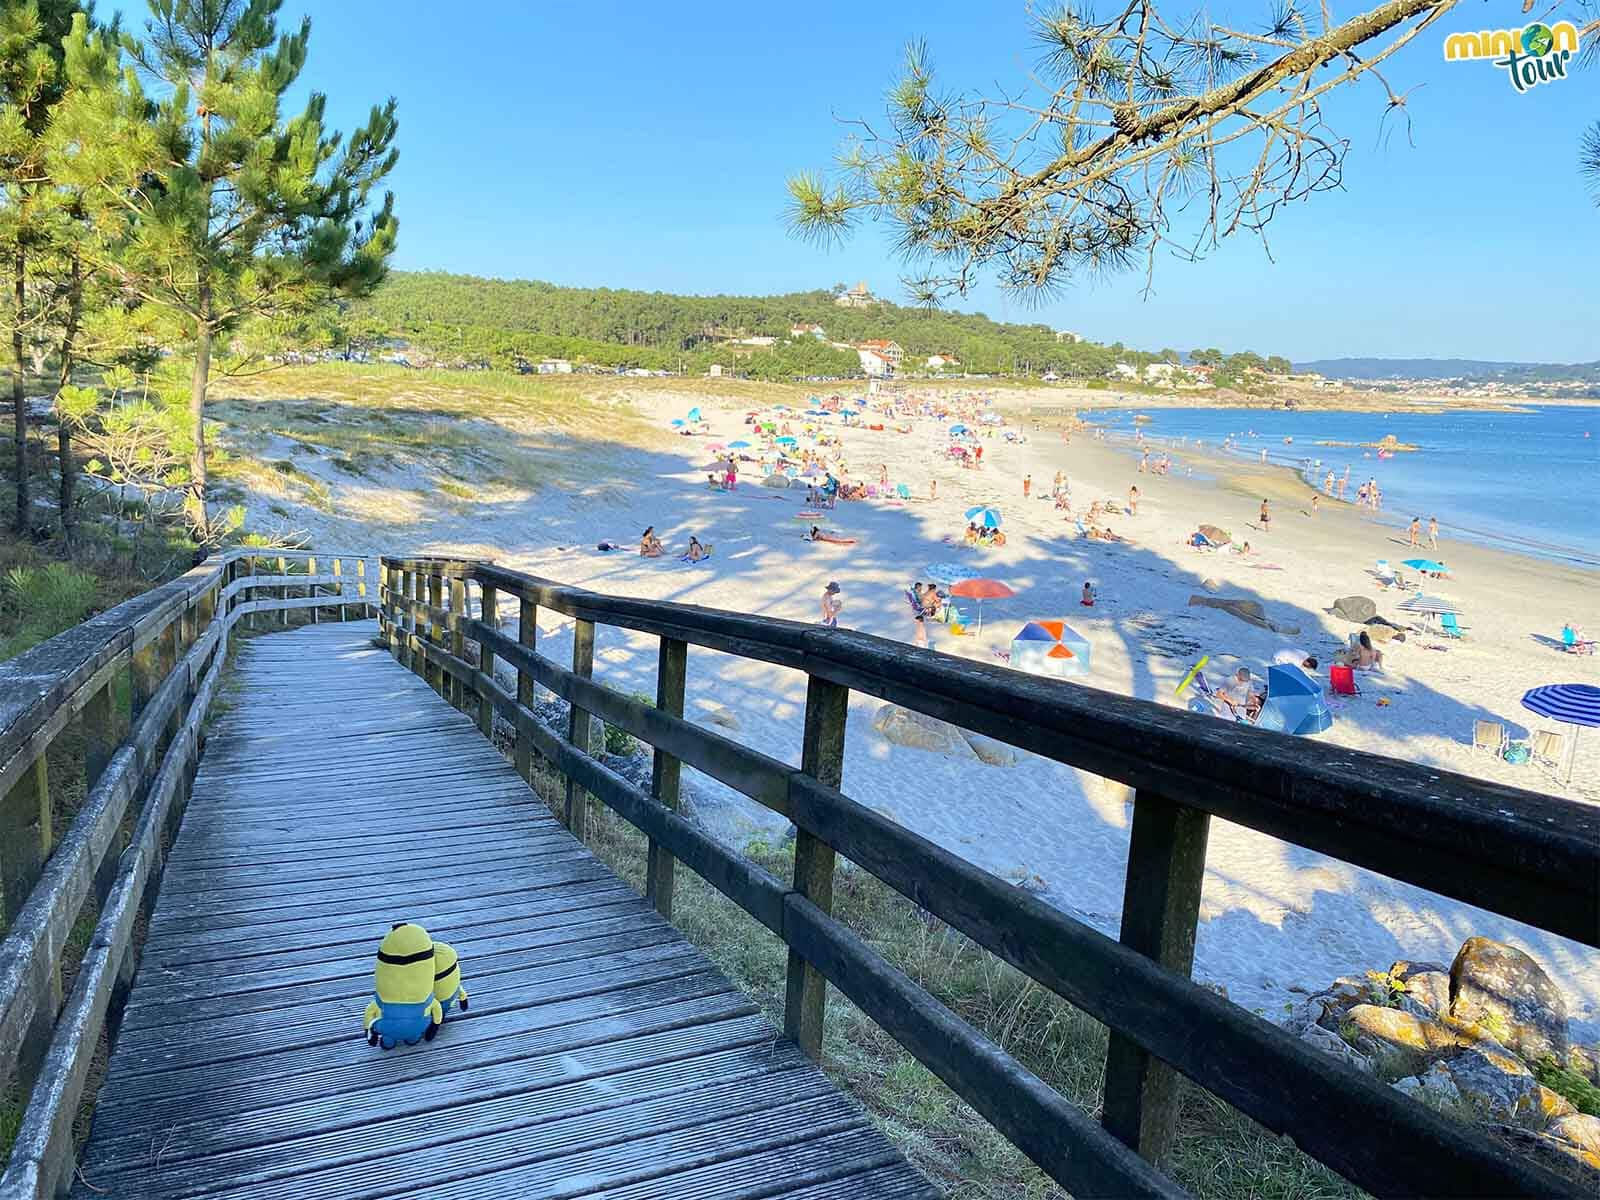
(859, 296)
(879, 358)
(714, 370)
(555, 366)
(1159, 372)
(806, 329)
(940, 361)
(1123, 371)
(1066, 335)
(759, 340)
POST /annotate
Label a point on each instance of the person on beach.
(1316, 503)
(1056, 490)
(1088, 595)
(696, 550)
(1433, 533)
(1239, 695)
(1133, 501)
(933, 489)
(831, 604)
(1367, 656)
(1265, 518)
(919, 616)
(1027, 485)
(1344, 481)
(1327, 484)
(883, 475)
(1414, 529)
(1144, 461)
(649, 543)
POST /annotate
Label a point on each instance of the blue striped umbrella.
(1574, 703)
(1428, 604)
(948, 573)
(987, 517)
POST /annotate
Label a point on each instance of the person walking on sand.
(1265, 518)
(1027, 485)
(1144, 461)
(831, 604)
(1316, 503)
(933, 489)
(1433, 533)
(1413, 530)
(1327, 484)
(1133, 501)
(1344, 481)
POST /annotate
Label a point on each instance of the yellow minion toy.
(403, 1007)
(447, 987)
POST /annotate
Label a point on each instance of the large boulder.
(1582, 1130)
(1502, 1089)
(905, 727)
(1503, 990)
(1409, 1043)
(1381, 631)
(777, 481)
(1554, 1153)
(1332, 1043)
(1246, 610)
(1433, 1084)
(996, 754)
(1427, 987)
(1354, 608)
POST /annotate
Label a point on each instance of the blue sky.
(646, 145)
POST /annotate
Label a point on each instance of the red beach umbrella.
(981, 590)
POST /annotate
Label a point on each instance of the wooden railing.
(128, 692)
(1528, 857)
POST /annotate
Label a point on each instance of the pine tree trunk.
(197, 411)
(19, 397)
(69, 517)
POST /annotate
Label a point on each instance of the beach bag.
(1518, 752)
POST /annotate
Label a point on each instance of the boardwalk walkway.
(602, 1056)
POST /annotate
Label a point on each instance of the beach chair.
(903, 491)
(1547, 745)
(1573, 644)
(1449, 627)
(1490, 736)
(1342, 680)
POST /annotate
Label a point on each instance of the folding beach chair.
(1547, 745)
(903, 491)
(1573, 643)
(1342, 680)
(1490, 736)
(1449, 626)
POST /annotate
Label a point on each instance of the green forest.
(502, 321)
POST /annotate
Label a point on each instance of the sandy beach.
(1276, 918)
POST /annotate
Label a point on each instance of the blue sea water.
(1528, 481)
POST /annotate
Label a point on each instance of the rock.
(777, 481)
(1354, 608)
(1430, 991)
(1211, 585)
(1504, 990)
(1305, 1013)
(1497, 1085)
(904, 727)
(1335, 1045)
(1391, 1033)
(1245, 610)
(996, 754)
(724, 717)
(1433, 1084)
(1582, 1130)
(1380, 632)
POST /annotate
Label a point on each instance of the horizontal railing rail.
(135, 684)
(1529, 857)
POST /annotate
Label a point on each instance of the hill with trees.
(1454, 368)
(505, 320)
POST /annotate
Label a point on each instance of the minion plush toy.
(403, 1007)
(447, 987)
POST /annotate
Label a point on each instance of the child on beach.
(831, 604)
(1133, 501)
(1265, 518)
(1027, 485)
(1088, 595)
(1316, 503)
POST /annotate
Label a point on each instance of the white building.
(1159, 372)
(874, 364)
(859, 296)
(1066, 335)
(889, 352)
(555, 366)
(1123, 371)
(714, 370)
(939, 361)
(806, 329)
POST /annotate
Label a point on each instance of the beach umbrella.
(981, 590)
(676, 424)
(957, 430)
(947, 573)
(716, 446)
(1216, 534)
(988, 517)
(1574, 704)
(1294, 702)
(786, 441)
(694, 414)
(1424, 564)
(1050, 648)
(1429, 606)
(739, 445)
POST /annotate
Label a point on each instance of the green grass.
(1582, 1094)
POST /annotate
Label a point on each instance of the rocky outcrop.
(1404, 1042)
(1354, 608)
(1502, 990)
(996, 754)
(904, 727)
(1245, 610)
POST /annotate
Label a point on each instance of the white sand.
(1275, 917)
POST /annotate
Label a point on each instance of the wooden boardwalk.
(602, 1056)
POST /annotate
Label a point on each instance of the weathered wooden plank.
(665, 771)
(578, 726)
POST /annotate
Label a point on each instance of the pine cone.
(1126, 117)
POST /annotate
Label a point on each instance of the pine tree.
(242, 213)
(31, 82)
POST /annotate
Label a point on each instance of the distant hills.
(1453, 368)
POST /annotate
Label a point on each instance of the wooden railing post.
(25, 834)
(527, 635)
(1160, 911)
(312, 589)
(578, 725)
(672, 673)
(435, 675)
(283, 591)
(361, 581)
(249, 592)
(389, 606)
(821, 757)
(458, 640)
(489, 614)
(145, 674)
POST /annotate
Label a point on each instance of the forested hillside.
(461, 315)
